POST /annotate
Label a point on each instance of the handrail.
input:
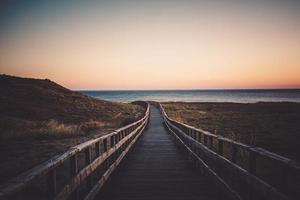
(107, 148)
(212, 148)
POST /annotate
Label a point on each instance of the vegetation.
(274, 126)
(42, 108)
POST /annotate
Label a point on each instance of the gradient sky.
(165, 44)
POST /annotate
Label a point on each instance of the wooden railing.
(78, 173)
(238, 170)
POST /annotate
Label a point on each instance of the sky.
(157, 44)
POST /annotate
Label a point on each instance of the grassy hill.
(43, 108)
(39, 118)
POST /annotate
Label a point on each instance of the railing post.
(252, 162)
(210, 139)
(197, 136)
(121, 135)
(73, 172)
(200, 136)
(88, 160)
(73, 165)
(88, 156)
(220, 147)
(117, 138)
(112, 140)
(51, 183)
(98, 149)
(205, 139)
(105, 145)
(234, 153)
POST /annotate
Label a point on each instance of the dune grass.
(273, 126)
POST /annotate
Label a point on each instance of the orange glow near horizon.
(158, 48)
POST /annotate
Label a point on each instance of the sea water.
(238, 96)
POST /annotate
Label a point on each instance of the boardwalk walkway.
(156, 169)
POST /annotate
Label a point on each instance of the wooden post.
(105, 144)
(234, 153)
(73, 165)
(88, 160)
(190, 144)
(117, 138)
(88, 156)
(205, 139)
(252, 162)
(98, 149)
(197, 136)
(51, 183)
(112, 140)
(220, 147)
(73, 172)
(210, 138)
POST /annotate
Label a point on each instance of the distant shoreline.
(234, 96)
(162, 90)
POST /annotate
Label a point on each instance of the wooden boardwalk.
(156, 169)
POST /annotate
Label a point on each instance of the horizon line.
(212, 89)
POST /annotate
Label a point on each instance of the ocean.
(238, 96)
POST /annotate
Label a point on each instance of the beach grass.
(272, 125)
